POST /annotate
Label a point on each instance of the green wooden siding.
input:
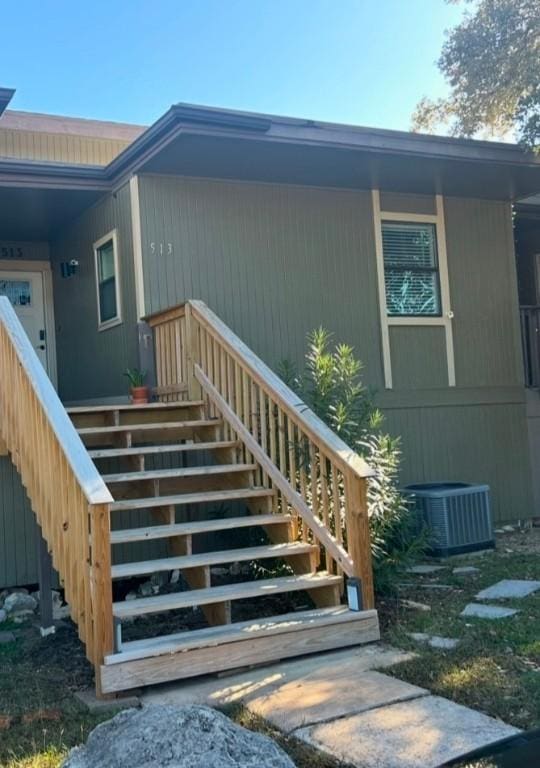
(276, 261)
(91, 362)
(59, 147)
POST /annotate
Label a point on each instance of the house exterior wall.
(276, 261)
(91, 362)
(60, 148)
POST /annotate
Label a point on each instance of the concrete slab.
(87, 697)
(509, 588)
(320, 697)
(425, 569)
(481, 611)
(435, 641)
(258, 683)
(422, 733)
(465, 570)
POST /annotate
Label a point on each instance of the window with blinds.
(411, 270)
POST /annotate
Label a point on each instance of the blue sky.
(358, 61)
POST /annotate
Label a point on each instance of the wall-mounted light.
(69, 268)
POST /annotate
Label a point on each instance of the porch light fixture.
(354, 594)
(69, 268)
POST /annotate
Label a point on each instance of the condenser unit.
(457, 516)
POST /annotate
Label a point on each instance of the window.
(411, 270)
(108, 290)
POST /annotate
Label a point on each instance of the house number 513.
(161, 248)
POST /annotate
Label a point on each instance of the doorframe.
(45, 269)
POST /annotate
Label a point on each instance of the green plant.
(331, 385)
(136, 377)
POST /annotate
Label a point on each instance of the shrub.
(331, 385)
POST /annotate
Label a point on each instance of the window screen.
(411, 270)
(107, 282)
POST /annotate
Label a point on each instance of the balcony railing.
(530, 337)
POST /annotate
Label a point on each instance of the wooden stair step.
(151, 426)
(108, 407)
(212, 637)
(127, 570)
(193, 498)
(111, 453)
(162, 474)
(212, 595)
(129, 535)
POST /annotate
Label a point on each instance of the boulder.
(17, 602)
(175, 737)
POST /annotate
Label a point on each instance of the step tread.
(162, 474)
(240, 591)
(156, 425)
(127, 535)
(192, 498)
(126, 570)
(107, 453)
(230, 633)
(111, 407)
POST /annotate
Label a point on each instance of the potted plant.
(140, 393)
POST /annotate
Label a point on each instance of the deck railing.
(66, 492)
(530, 337)
(316, 477)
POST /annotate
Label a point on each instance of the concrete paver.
(509, 588)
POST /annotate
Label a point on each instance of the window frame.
(415, 219)
(117, 320)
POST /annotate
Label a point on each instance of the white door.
(25, 291)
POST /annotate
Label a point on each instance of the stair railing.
(67, 494)
(316, 477)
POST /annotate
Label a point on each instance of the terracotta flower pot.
(140, 395)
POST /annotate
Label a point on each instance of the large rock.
(175, 737)
(18, 602)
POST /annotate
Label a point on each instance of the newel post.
(101, 588)
(193, 354)
(358, 535)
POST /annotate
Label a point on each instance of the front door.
(25, 291)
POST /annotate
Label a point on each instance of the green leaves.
(331, 385)
(491, 62)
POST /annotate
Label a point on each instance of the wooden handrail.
(66, 492)
(317, 477)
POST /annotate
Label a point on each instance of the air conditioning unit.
(457, 515)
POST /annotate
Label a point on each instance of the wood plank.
(210, 637)
(126, 570)
(165, 425)
(150, 533)
(363, 628)
(193, 498)
(106, 408)
(161, 474)
(109, 453)
(241, 591)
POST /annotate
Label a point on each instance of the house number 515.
(161, 248)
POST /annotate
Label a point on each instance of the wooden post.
(147, 360)
(101, 589)
(193, 355)
(45, 571)
(3, 448)
(358, 535)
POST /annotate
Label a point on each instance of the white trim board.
(386, 322)
(136, 239)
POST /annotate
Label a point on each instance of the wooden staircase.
(226, 456)
(204, 472)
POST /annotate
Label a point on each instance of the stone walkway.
(340, 704)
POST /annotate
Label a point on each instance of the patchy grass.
(302, 755)
(40, 719)
(496, 666)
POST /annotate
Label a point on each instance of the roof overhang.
(6, 94)
(206, 142)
